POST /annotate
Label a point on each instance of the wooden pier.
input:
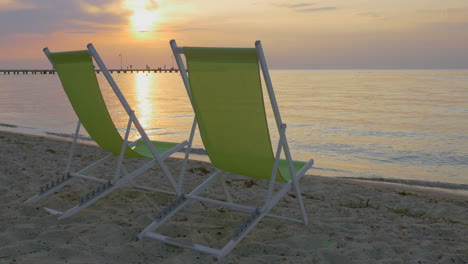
(24, 72)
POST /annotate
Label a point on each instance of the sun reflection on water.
(145, 101)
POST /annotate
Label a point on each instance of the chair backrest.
(227, 98)
(78, 77)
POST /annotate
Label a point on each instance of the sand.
(351, 221)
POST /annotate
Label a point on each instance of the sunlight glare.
(143, 20)
(145, 103)
(145, 15)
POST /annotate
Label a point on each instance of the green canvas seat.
(78, 78)
(225, 89)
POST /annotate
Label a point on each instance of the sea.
(406, 126)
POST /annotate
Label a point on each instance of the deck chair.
(78, 77)
(224, 86)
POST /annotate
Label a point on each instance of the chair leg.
(187, 153)
(60, 182)
(50, 188)
(89, 199)
(102, 191)
(248, 225)
(72, 148)
(297, 189)
(300, 201)
(226, 190)
(256, 215)
(165, 214)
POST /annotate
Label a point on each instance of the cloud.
(91, 24)
(319, 9)
(174, 28)
(371, 14)
(294, 6)
(449, 27)
(53, 16)
(304, 7)
(148, 5)
(10, 5)
(453, 10)
(81, 32)
(102, 7)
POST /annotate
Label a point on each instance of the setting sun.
(143, 20)
(145, 15)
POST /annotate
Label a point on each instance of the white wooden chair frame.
(256, 214)
(121, 175)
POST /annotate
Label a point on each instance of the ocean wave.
(443, 185)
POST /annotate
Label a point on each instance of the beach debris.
(313, 197)
(199, 170)
(51, 151)
(249, 183)
(361, 203)
(407, 212)
(403, 193)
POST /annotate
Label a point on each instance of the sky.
(295, 34)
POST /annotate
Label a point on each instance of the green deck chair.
(78, 77)
(224, 86)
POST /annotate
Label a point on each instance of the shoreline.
(200, 154)
(351, 221)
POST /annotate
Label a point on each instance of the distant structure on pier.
(147, 70)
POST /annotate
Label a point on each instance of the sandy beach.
(351, 221)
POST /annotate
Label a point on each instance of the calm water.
(392, 124)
